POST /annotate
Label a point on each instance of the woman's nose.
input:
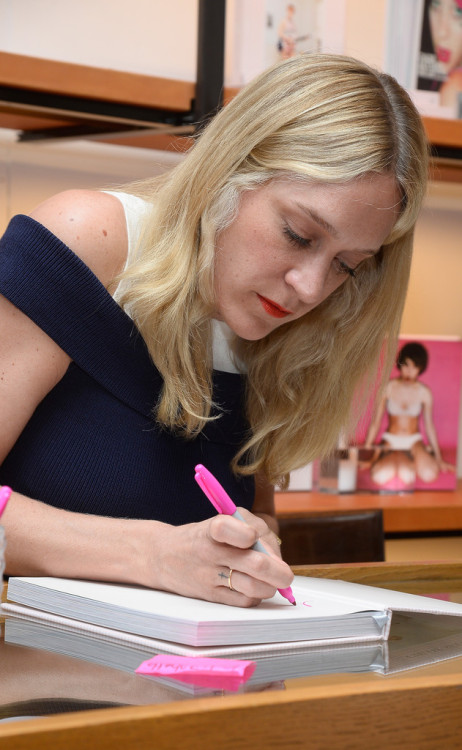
(309, 281)
(444, 24)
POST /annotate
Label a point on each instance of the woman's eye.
(345, 268)
(295, 238)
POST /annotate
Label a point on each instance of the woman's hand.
(196, 559)
(445, 466)
(193, 560)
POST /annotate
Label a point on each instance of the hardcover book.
(327, 612)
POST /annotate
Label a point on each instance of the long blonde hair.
(321, 118)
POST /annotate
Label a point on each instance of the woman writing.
(220, 314)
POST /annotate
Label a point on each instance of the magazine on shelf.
(424, 53)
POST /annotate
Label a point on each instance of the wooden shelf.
(38, 94)
(84, 81)
(444, 132)
(417, 512)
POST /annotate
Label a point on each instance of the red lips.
(443, 54)
(272, 308)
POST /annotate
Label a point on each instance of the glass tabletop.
(44, 672)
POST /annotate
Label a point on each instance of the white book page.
(316, 597)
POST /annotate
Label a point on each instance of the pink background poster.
(443, 377)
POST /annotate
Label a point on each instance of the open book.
(327, 612)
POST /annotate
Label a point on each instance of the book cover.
(411, 441)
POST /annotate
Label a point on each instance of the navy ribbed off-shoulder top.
(92, 445)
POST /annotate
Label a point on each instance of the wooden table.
(416, 709)
(423, 511)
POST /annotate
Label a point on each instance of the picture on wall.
(424, 53)
(303, 26)
(411, 440)
(440, 53)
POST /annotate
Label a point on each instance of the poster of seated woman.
(411, 440)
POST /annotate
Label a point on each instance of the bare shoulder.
(92, 224)
(391, 387)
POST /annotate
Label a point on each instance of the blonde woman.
(225, 313)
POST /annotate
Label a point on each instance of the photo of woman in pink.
(403, 455)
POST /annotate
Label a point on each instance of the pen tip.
(294, 603)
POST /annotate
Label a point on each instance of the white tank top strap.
(136, 209)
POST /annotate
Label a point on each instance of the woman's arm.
(429, 424)
(31, 363)
(376, 421)
(194, 559)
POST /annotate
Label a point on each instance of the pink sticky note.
(216, 674)
(170, 665)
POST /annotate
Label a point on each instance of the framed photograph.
(424, 53)
(303, 26)
(411, 439)
(262, 32)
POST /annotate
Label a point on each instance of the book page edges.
(118, 636)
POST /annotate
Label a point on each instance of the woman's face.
(446, 30)
(293, 243)
(409, 370)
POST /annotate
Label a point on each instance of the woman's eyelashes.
(295, 238)
(345, 268)
(304, 242)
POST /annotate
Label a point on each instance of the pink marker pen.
(222, 502)
(5, 493)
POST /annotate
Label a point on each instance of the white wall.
(31, 172)
(153, 37)
(434, 302)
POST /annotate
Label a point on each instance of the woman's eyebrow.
(318, 219)
(329, 228)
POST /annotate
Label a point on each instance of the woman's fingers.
(241, 583)
(229, 530)
(195, 560)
